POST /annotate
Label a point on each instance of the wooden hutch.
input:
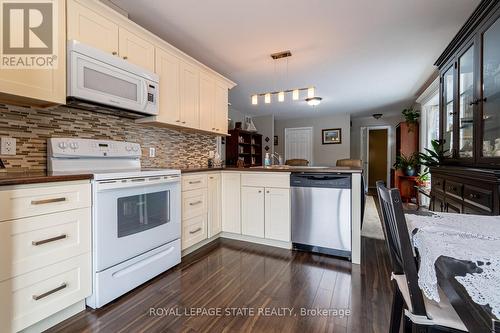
(469, 181)
(245, 146)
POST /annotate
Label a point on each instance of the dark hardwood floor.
(230, 274)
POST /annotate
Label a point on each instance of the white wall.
(236, 116)
(387, 120)
(322, 154)
(265, 126)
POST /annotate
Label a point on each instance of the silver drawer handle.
(47, 201)
(48, 240)
(50, 292)
(195, 182)
(195, 203)
(195, 231)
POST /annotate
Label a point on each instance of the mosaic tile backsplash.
(32, 127)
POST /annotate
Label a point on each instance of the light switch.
(152, 152)
(8, 146)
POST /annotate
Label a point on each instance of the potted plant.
(408, 164)
(411, 117)
(434, 156)
(423, 178)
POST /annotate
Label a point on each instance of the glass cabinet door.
(448, 109)
(466, 104)
(491, 92)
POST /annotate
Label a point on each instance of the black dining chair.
(421, 314)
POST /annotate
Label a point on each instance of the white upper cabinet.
(168, 67)
(89, 27)
(136, 49)
(220, 116)
(190, 91)
(191, 94)
(207, 102)
(39, 87)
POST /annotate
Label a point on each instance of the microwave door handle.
(144, 94)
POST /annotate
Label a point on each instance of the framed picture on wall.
(275, 140)
(331, 136)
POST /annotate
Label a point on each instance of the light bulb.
(310, 92)
(281, 96)
(255, 100)
(313, 101)
(295, 95)
(267, 98)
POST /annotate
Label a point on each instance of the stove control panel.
(71, 147)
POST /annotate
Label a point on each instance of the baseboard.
(199, 245)
(257, 240)
(56, 318)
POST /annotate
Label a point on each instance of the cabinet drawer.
(437, 184)
(194, 182)
(194, 230)
(194, 203)
(268, 179)
(479, 197)
(35, 242)
(29, 298)
(32, 201)
(453, 188)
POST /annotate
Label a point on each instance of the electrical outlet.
(152, 152)
(8, 146)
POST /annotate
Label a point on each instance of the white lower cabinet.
(231, 204)
(265, 212)
(45, 251)
(277, 214)
(252, 211)
(214, 204)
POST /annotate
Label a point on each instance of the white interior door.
(298, 143)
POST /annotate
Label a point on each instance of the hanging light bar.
(281, 95)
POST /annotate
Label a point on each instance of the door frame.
(366, 145)
(312, 142)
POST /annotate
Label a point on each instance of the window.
(430, 121)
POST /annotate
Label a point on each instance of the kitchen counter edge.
(263, 169)
(21, 178)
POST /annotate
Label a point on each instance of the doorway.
(299, 143)
(375, 153)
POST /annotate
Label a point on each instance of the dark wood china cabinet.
(469, 181)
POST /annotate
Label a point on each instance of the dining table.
(460, 254)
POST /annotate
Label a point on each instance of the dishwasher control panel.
(327, 180)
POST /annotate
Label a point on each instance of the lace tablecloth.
(463, 237)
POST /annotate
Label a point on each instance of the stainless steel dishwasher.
(321, 213)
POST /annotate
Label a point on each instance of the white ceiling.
(363, 56)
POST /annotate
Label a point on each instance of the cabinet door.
(135, 49)
(453, 206)
(90, 28)
(221, 108)
(448, 107)
(45, 85)
(490, 126)
(466, 103)
(207, 102)
(277, 211)
(190, 91)
(214, 205)
(231, 203)
(252, 211)
(168, 68)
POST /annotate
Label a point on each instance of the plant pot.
(410, 171)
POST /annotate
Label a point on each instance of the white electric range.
(136, 213)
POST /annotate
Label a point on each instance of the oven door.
(134, 216)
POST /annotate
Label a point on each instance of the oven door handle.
(135, 182)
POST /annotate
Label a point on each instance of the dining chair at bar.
(421, 314)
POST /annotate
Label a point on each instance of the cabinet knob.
(183, 122)
(177, 121)
(267, 191)
(125, 58)
(114, 53)
(260, 191)
(213, 128)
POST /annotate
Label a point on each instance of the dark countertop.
(263, 169)
(32, 177)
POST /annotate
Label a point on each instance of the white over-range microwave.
(98, 78)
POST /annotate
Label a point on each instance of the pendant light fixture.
(311, 99)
